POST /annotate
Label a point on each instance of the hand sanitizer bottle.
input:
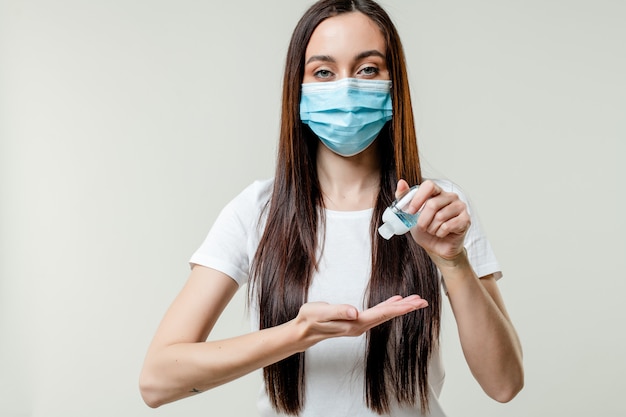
(395, 220)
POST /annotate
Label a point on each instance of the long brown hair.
(398, 352)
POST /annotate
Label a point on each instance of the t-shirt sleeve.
(228, 247)
(479, 251)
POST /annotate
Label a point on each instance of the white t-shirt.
(334, 367)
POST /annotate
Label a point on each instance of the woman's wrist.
(454, 264)
(300, 336)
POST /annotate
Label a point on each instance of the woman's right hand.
(318, 320)
(181, 362)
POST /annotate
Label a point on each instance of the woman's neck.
(348, 184)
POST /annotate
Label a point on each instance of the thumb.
(401, 187)
(347, 312)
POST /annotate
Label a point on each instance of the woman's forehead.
(347, 34)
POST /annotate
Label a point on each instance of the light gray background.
(126, 125)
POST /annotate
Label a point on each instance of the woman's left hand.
(482, 320)
(442, 223)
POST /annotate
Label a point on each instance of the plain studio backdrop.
(125, 126)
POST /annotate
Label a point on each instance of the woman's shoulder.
(255, 193)
(251, 200)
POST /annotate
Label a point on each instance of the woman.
(348, 321)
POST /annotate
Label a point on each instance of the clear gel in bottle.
(395, 220)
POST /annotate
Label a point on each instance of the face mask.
(347, 115)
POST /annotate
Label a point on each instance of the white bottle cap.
(392, 225)
(386, 230)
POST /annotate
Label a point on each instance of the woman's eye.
(323, 73)
(369, 71)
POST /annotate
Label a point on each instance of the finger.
(392, 311)
(341, 312)
(457, 225)
(401, 187)
(387, 311)
(433, 212)
(447, 217)
(391, 300)
(322, 312)
(399, 299)
(426, 192)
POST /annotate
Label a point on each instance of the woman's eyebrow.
(367, 54)
(362, 55)
(322, 58)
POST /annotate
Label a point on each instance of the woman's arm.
(180, 362)
(488, 338)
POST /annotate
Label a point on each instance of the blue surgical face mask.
(347, 115)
